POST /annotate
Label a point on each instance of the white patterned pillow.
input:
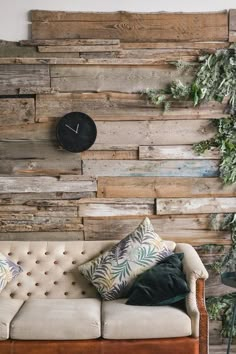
(113, 272)
(8, 271)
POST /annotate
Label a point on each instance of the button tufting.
(28, 273)
(28, 294)
(73, 262)
(46, 293)
(83, 252)
(73, 283)
(18, 284)
(37, 284)
(83, 292)
(29, 252)
(55, 262)
(66, 293)
(12, 295)
(46, 253)
(55, 282)
(37, 262)
(65, 252)
(64, 273)
(19, 262)
(10, 254)
(46, 273)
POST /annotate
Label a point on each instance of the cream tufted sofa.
(51, 308)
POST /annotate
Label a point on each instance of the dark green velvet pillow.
(163, 284)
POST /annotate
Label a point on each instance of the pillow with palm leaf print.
(8, 271)
(113, 272)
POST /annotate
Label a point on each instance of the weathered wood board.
(232, 25)
(195, 205)
(162, 187)
(15, 111)
(120, 106)
(130, 26)
(42, 236)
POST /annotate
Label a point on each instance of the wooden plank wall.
(142, 162)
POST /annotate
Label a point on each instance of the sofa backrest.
(50, 269)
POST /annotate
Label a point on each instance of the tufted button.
(36, 284)
(55, 262)
(65, 252)
(46, 293)
(37, 262)
(83, 292)
(19, 262)
(64, 273)
(83, 252)
(28, 294)
(73, 262)
(29, 252)
(29, 274)
(18, 284)
(46, 273)
(9, 253)
(73, 283)
(12, 295)
(46, 253)
(66, 293)
(55, 283)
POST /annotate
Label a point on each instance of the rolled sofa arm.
(196, 274)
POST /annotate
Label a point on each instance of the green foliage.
(221, 308)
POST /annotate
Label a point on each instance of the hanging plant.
(215, 79)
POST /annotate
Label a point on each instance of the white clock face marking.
(75, 131)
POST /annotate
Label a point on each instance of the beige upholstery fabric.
(121, 321)
(8, 309)
(194, 269)
(57, 319)
(50, 269)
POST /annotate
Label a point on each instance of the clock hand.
(75, 131)
(77, 128)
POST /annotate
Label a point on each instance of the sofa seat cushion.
(57, 319)
(121, 321)
(8, 309)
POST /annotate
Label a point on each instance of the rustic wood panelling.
(115, 207)
(130, 26)
(179, 152)
(215, 286)
(70, 42)
(15, 111)
(12, 77)
(195, 205)
(78, 48)
(232, 25)
(174, 45)
(109, 155)
(46, 184)
(120, 106)
(105, 78)
(221, 349)
(42, 236)
(162, 187)
(171, 168)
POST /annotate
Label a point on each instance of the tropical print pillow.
(8, 271)
(113, 272)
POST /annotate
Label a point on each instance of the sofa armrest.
(196, 274)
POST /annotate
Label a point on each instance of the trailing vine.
(215, 79)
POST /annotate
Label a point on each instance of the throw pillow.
(163, 284)
(8, 271)
(115, 270)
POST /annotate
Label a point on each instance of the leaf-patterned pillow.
(113, 272)
(8, 271)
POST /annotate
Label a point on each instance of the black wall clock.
(76, 132)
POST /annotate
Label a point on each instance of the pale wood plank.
(232, 25)
(45, 184)
(162, 187)
(15, 111)
(131, 26)
(77, 48)
(109, 155)
(105, 78)
(69, 42)
(25, 198)
(42, 236)
(168, 168)
(215, 328)
(175, 45)
(195, 205)
(115, 207)
(120, 106)
(15, 76)
(221, 349)
(171, 152)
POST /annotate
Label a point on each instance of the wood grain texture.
(171, 152)
(15, 111)
(42, 236)
(115, 207)
(214, 286)
(109, 155)
(195, 205)
(70, 42)
(77, 48)
(46, 184)
(120, 106)
(131, 27)
(12, 77)
(162, 187)
(175, 45)
(203, 320)
(168, 168)
(105, 78)
(232, 25)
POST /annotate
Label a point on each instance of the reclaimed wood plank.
(175, 45)
(78, 48)
(232, 25)
(105, 78)
(121, 106)
(115, 207)
(131, 26)
(69, 42)
(221, 349)
(214, 286)
(15, 111)
(167, 168)
(125, 135)
(42, 227)
(109, 155)
(100, 229)
(13, 77)
(179, 152)
(45, 184)
(163, 187)
(195, 205)
(24, 198)
(215, 328)
(42, 236)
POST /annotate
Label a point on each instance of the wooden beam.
(172, 152)
(130, 26)
(163, 187)
(168, 168)
(195, 205)
(78, 48)
(70, 42)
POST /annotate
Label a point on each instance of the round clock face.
(76, 132)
